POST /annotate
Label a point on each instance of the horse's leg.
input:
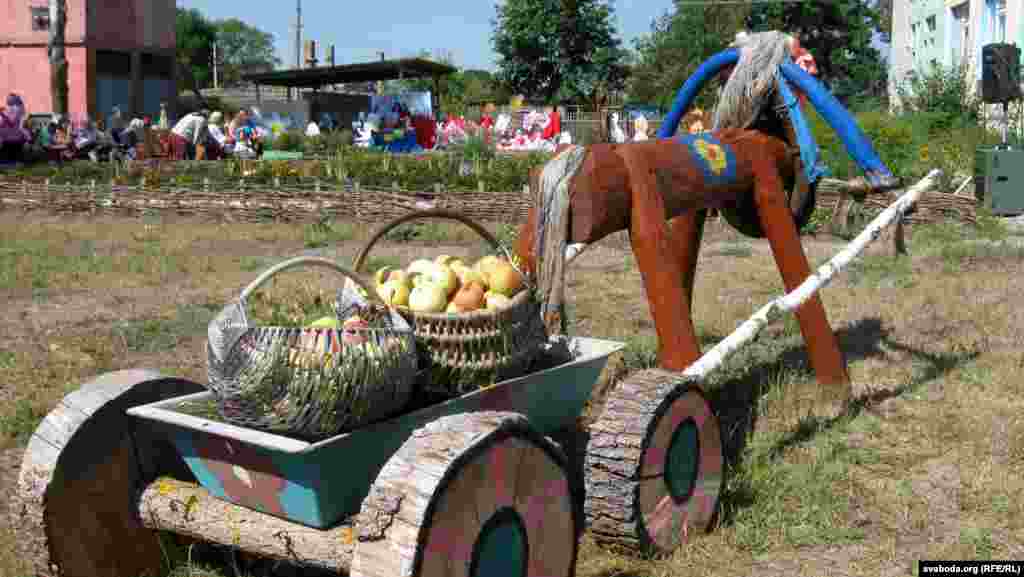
(661, 266)
(687, 231)
(777, 222)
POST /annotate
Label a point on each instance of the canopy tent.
(349, 73)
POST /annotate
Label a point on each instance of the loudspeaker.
(1000, 73)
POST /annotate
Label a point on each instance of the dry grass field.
(927, 462)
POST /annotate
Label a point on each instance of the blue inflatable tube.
(852, 137)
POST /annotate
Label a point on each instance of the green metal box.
(999, 180)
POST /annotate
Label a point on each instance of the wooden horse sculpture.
(660, 190)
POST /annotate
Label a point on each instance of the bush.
(944, 94)
(290, 140)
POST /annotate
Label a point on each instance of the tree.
(457, 90)
(55, 52)
(558, 49)
(838, 34)
(680, 41)
(240, 45)
(195, 37)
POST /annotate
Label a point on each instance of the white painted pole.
(788, 303)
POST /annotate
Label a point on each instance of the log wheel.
(474, 495)
(80, 474)
(654, 464)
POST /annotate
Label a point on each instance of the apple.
(394, 293)
(420, 266)
(382, 275)
(496, 301)
(443, 277)
(428, 297)
(325, 323)
(469, 298)
(445, 259)
(401, 277)
(486, 264)
(505, 279)
(468, 275)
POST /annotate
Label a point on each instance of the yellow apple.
(382, 275)
(505, 279)
(496, 301)
(394, 293)
(486, 264)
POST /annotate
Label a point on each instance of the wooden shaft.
(188, 509)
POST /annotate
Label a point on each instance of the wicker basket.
(464, 351)
(310, 383)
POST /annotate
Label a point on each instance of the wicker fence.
(240, 200)
(246, 202)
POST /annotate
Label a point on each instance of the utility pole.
(58, 63)
(214, 65)
(298, 33)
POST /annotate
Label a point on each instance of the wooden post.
(206, 185)
(437, 188)
(316, 185)
(480, 186)
(358, 196)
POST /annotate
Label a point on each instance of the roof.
(347, 73)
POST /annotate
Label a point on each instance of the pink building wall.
(131, 26)
(26, 71)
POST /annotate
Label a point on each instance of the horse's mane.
(751, 86)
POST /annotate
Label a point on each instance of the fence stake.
(316, 186)
(277, 182)
(394, 185)
(437, 188)
(480, 186)
(206, 185)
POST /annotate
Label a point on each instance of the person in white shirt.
(189, 132)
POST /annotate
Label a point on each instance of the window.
(40, 18)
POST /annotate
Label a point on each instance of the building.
(947, 33)
(119, 52)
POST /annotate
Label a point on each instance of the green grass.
(37, 260)
(20, 420)
(159, 334)
(882, 270)
(324, 233)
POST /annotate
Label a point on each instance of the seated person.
(13, 134)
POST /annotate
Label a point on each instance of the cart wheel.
(475, 495)
(83, 466)
(654, 464)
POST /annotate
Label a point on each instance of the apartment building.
(119, 52)
(949, 32)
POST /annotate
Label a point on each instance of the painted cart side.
(318, 484)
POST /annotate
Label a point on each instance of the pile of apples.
(448, 285)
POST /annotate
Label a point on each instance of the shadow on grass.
(736, 400)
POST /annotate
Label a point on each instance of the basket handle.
(421, 214)
(308, 260)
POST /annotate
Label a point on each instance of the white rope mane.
(753, 80)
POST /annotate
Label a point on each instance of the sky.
(361, 29)
(400, 28)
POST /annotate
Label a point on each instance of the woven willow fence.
(244, 201)
(239, 200)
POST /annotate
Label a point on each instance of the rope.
(553, 235)
(752, 82)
